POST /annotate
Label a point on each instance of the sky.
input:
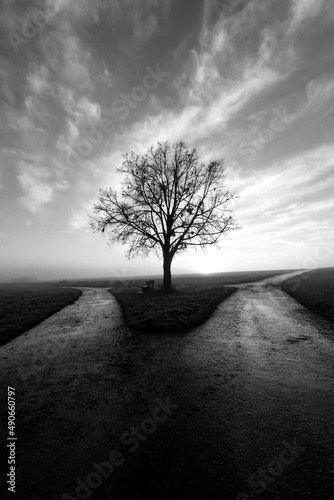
(84, 82)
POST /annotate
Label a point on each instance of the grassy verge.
(314, 290)
(180, 310)
(23, 307)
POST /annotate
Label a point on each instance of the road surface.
(242, 407)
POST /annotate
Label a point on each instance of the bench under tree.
(148, 287)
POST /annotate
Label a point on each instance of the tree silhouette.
(169, 201)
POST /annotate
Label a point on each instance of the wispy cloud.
(147, 17)
(280, 195)
(81, 114)
(79, 220)
(318, 101)
(305, 11)
(37, 191)
(39, 184)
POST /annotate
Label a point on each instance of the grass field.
(314, 290)
(192, 303)
(172, 312)
(23, 307)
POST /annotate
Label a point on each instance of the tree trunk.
(167, 283)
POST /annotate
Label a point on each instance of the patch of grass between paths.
(178, 310)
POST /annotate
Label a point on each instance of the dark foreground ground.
(239, 408)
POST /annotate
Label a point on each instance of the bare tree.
(169, 201)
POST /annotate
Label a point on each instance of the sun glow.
(208, 268)
(208, 263)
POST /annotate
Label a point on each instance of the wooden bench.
(148, 287)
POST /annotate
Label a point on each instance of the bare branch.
(169, 201)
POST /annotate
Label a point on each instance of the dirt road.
(242, 407)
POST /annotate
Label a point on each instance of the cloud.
(222, 78)
(67, 58)
(319, 99)
(81, 114)
(304, 11)
(208, 100)
(39, 183)
(38, 78)
(284, 210)
(288, 194)
(222, 84)
(144, 28)
(79, 220)
(147, 17)
(37, 191)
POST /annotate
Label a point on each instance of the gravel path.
(250, 394)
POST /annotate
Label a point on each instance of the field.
(172, 312)
(23, 307)
(178, 280)
(314, 290)
(197, 296)
(192, 302)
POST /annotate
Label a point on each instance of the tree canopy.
(169, 201)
